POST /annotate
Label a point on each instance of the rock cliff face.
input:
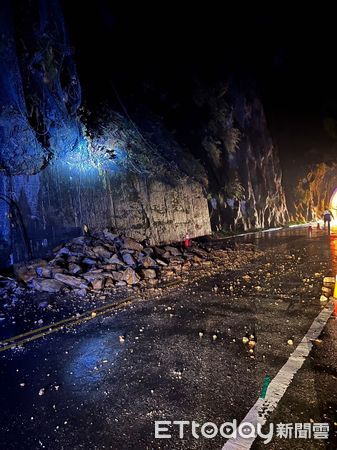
(234, 145)
(252, 195)
(59, 174)
(116, 179)
(39, 89)
(313, 192)
(203, 160)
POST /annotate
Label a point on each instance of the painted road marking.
(37, 333)
(267, 230)
(264, 406)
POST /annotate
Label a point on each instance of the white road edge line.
(267, 230)
(278, 386)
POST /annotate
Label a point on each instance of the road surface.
(103, 384)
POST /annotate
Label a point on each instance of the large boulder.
(128, 259)
(73, 282)
(101, 252)
(115, 260)
(173, 250)
(98, 283)
(131, 244)
(89, 261)
(47, 285)
(93, 275)
(130, 276)
(147, 262)
(148, 273)
(117, 276)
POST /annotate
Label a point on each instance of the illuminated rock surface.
(170, 168)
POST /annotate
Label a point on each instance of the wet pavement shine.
(103, 384)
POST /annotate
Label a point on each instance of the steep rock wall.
(256, 165)
(313, 192)
(58, 201)
(245, 177)
(58, 173)
(39, 89)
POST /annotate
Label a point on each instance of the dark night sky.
(289, 52)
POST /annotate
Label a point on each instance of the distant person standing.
(327, 215)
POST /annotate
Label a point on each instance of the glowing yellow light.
(333, 207)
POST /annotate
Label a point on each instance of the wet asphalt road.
(100, 393)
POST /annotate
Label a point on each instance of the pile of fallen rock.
(104, 261)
